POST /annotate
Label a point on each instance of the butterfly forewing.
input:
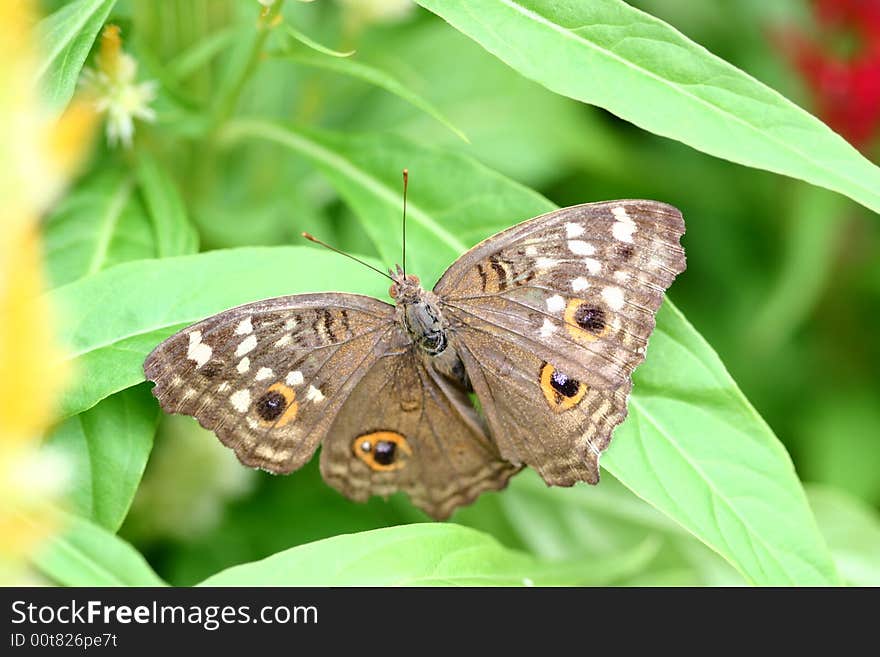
(550, 319)
(578, 286)
(404, 428)
(269, 377)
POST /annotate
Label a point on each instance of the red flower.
(845, 87)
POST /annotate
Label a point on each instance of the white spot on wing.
(290, 324)
(284, 340)
(621, 276)
(531, 251)
(593, 265)
(613, 297)
(579, 284)
(263, 373)
(244, 365)
(623, 231)
(314, 394)
(246, 345)
(241, 400)
(244, 327)
(197, 350)
(620, 214)
(294, 378)
(548, 328)
(555, 303)
(623, 227)
(546, 263)
(223, 387)
(573, 230)
(579, 247)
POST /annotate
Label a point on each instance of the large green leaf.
(108, 447)
(609, 54)
(696, 449)
(68, 35)
(86, 554)
(693, 446)
(430, 554)
(116, 317)
(100, 224)
(561, 523)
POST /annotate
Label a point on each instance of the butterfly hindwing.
(405, 428)
(541, 417)
(269, 377)
(578, 286)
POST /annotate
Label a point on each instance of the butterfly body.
(543, 323)
(420, 315)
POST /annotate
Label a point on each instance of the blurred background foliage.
(783, 279)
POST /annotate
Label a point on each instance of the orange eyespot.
(382, 451)
(560, 390)
(277, 406)
(586, 321)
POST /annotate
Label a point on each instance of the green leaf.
(693, 446)
(513, 124)
(85, 554)
(108, 446)
(314, 45)
(852, 529)
(174, 234)
(609, 54)
(374, 76)
(564, 523)
(696, 449)
(100, 224)
(453, 200)
(151, 299)
(431, 554)
(68, 35)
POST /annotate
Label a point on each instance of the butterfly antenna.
(312, 238)
(405, 185)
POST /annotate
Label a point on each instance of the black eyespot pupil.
(590, 318)
(563, 384)
(384, 452)
(271, 405)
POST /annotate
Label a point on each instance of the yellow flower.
(113, 88)
(37, 155)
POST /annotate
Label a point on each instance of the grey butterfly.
(543, 323)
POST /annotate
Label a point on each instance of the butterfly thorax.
(420, 316)
(418, 312)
